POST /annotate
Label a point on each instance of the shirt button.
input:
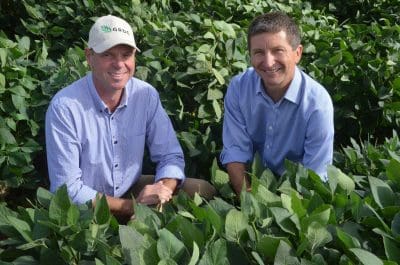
(115, 142)
(116, 165)
(116, 187)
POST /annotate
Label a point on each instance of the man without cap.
(274, 108)
(97, 128)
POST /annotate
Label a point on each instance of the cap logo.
(105, 28)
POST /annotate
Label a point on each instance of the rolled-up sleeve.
(237, 144)
(63, 155)
(318, 145)
(162, 142)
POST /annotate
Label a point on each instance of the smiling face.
(111, 69)
(275, 61)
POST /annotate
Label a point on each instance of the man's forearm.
(118, 206)
(237, 175)
(170, 183)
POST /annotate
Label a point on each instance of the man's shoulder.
(315, 92)
(139, 86)
(72, 94)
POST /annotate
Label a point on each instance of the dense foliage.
(190, 51)
(298, 219)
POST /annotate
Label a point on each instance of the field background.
(190, 51)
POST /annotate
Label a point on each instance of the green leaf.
(226, 28)
(59, 205)
(393, 171)
(6, 137)
(188, 231)
(214, 93)
(215, 254)
(366, 257)
(285, 255)
(235, 225)
(22, 227)
(348, 240)
(381, 192)
(195, 255)
(317, 235)
(268, 245)
(168, 246)
(167, 261)
(218, 76)
(102, 213)
(137, 249)
(3, 61)
(282, 218)
(395, 226)
(44, 197)
(392, 249)
(337, 177)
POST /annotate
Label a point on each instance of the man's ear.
(88, 54)
(299, 52)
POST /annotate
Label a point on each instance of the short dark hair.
(275, 22)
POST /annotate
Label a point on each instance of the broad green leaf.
(22, 227)
(217, 109)
(318, 236)
(168, 246)
(381, 192)
(33, 11)
(24, 44)
(44, 197)
(195, 255)
(209, 35)
(395, 225)
(73, 215)
(214, 93)
(220, 178)
(6, 137)
(249, 206)
(102, 213)
(348, 240)
(218, 76)
(285, 255)
(59, 205)
(187, 230)
(147, 216)
(226, 28)
(134, 246)
(337, 177)
(393, 171)
(235, 225)
(3, 61)
(268, 245)
(392, 249)
(215, 254)
(282, 218)
(366, 257)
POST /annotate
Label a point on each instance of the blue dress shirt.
(299, 127)
(92, 150)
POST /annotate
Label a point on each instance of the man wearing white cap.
(97, 128)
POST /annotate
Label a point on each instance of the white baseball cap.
(109, 31)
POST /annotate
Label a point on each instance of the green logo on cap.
(105, 28)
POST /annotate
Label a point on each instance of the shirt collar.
(293, 92)
(98, 102)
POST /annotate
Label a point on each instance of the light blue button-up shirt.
(299, 127)
(92, 150)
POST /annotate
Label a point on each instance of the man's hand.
(159, 192)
